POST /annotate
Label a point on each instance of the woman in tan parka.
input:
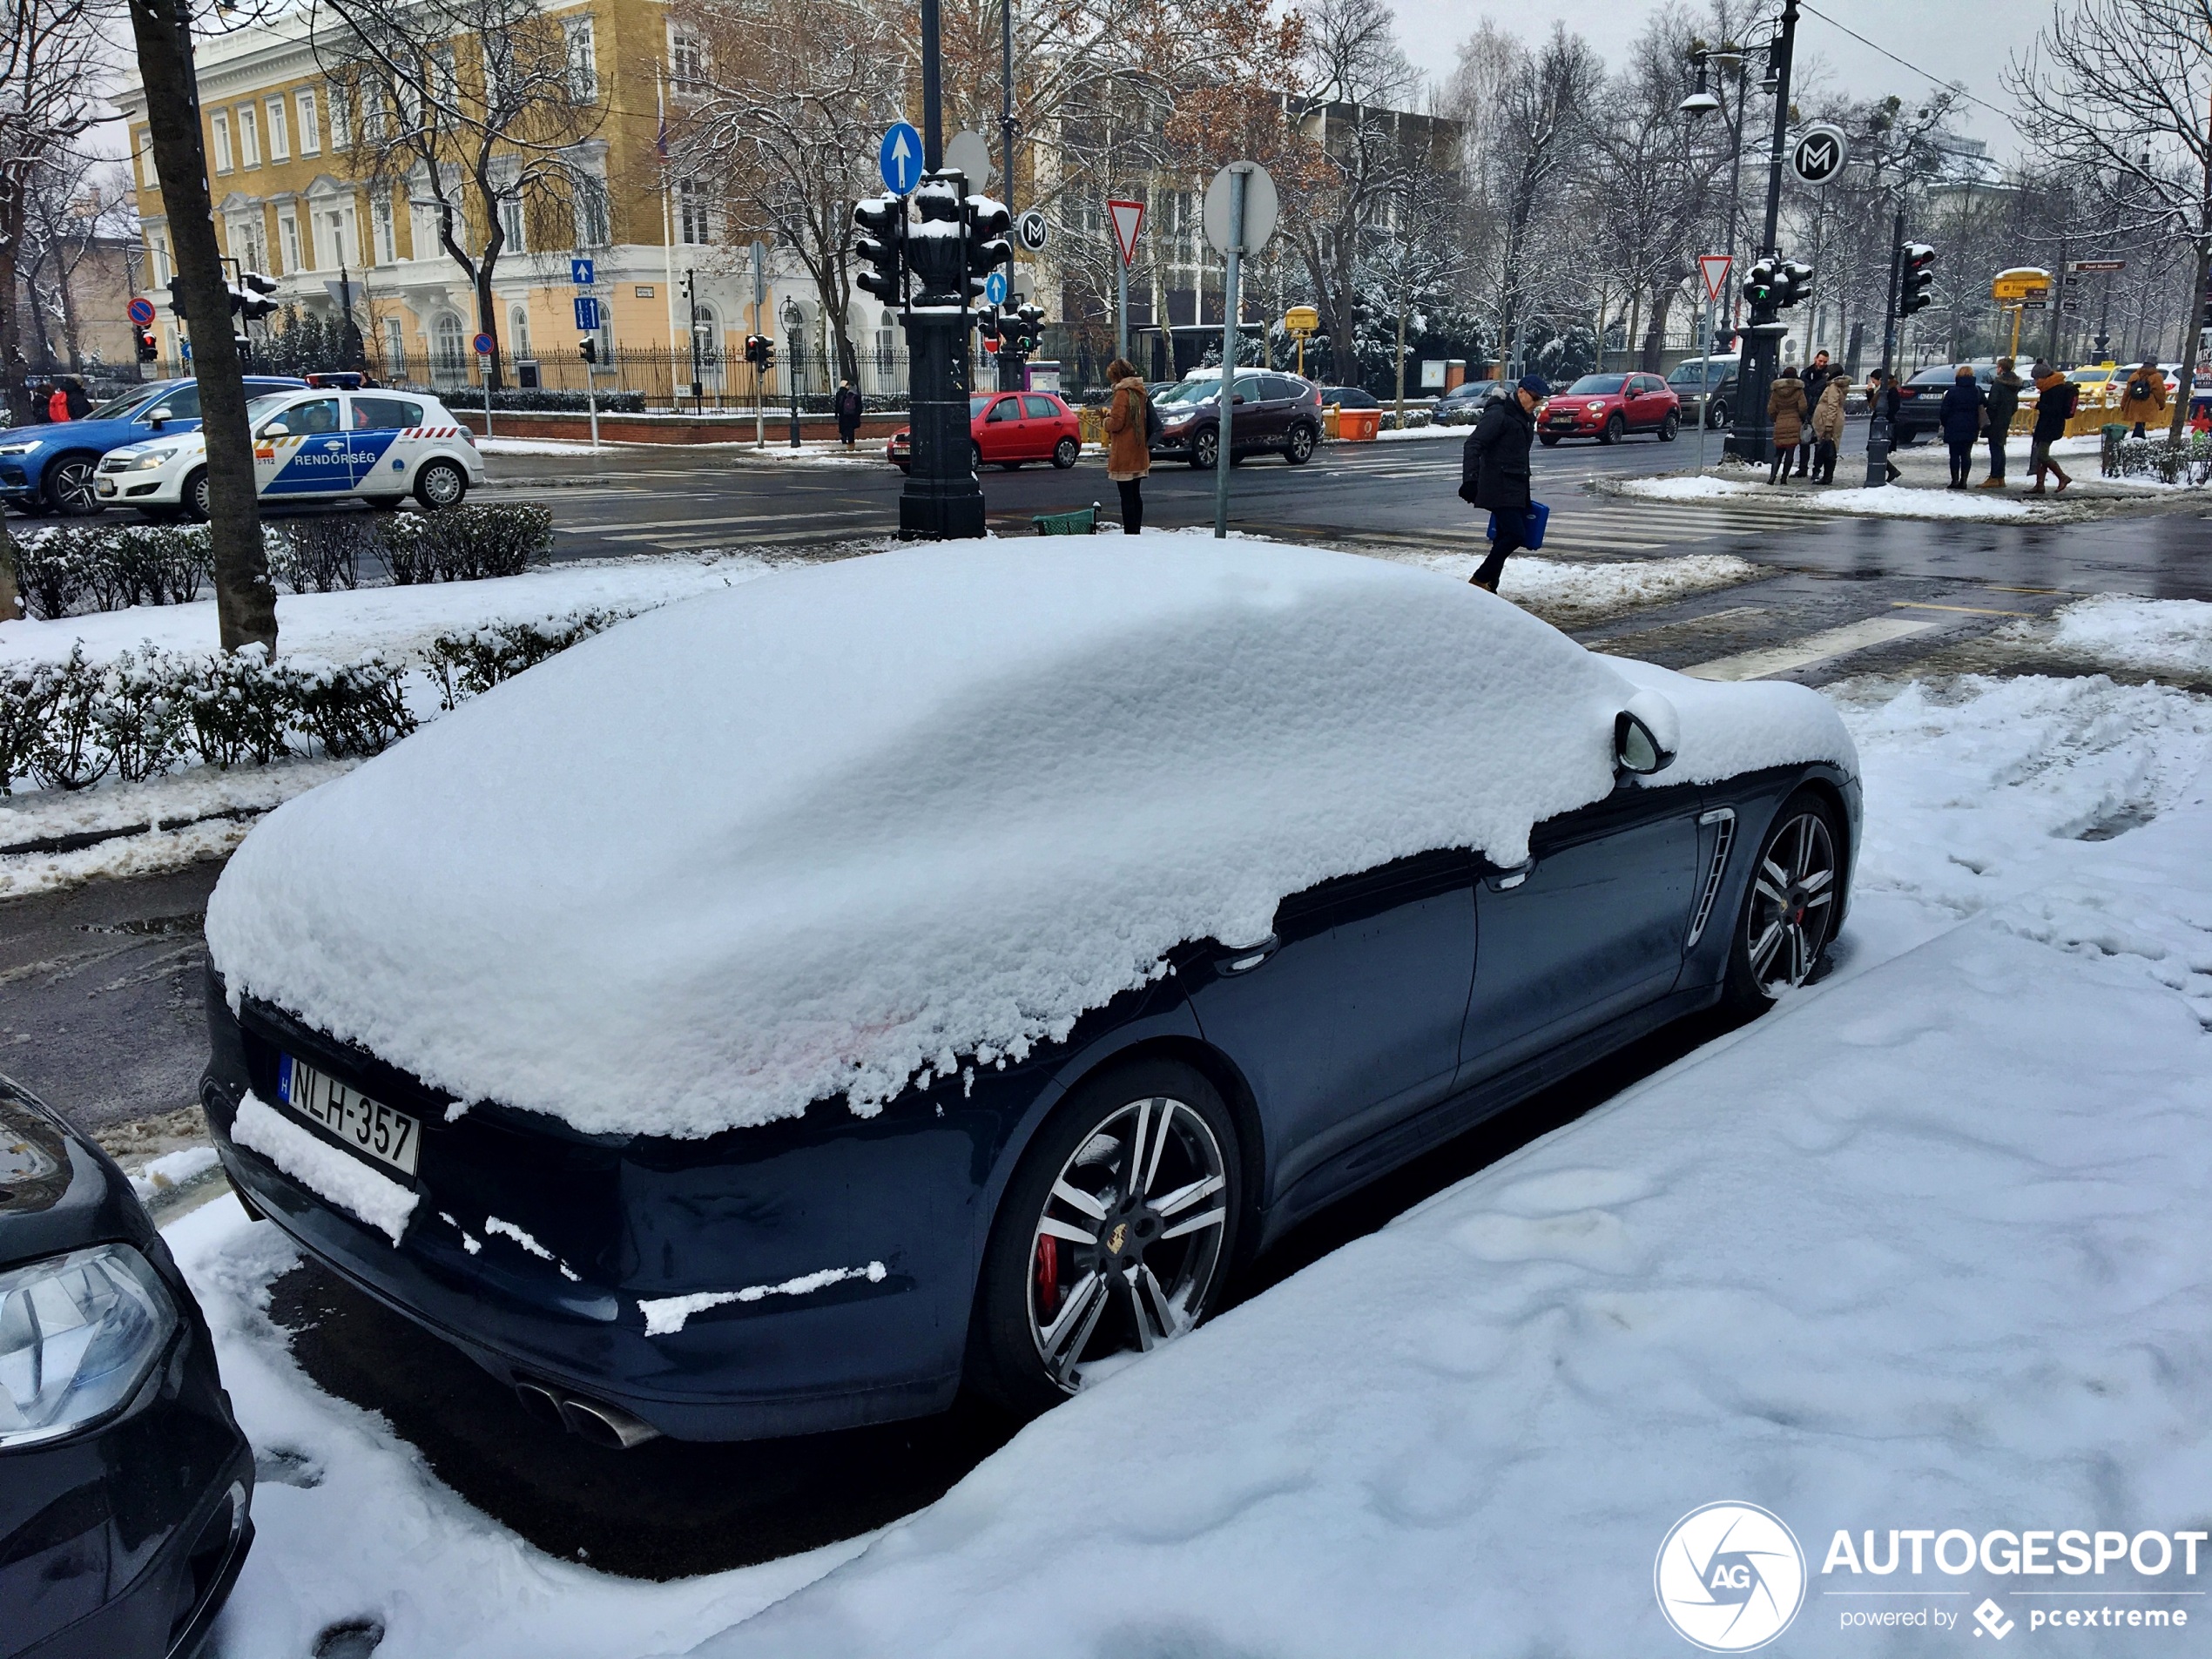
(1827, 430)
(1129, 445)
(1785, 407)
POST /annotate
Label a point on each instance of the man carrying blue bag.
(1494, 474)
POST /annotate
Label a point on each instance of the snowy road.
(1923, 1249)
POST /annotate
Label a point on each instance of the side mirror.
(275, 429)
(1237, 400)
(155, 417)
(1647, 735)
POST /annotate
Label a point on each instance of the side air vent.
(1725, 816)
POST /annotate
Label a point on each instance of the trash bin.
(1359, 426)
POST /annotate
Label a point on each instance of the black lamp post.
(1752, 437)
(794, 321)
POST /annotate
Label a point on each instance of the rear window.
(1942, 376)
(1596, 385)
(384, 414)
(1040, 408)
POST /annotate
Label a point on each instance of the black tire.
(904, 466)
(68, 487)
(1669, 427)
(1548, 439)
(31, 509)
(1205, 450)
(386, 503)
(1041, 1289)
(191, 500)
(158, 515)
(1065, 452)
(1716, 416)
(440, 483)
(1907, 437)
(1299, 449)
(1615, 429)
(975, 456)
(1787, 921)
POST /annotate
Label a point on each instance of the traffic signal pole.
(1878, 435)
(1752, 437)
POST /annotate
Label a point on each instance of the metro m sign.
(1819, 152)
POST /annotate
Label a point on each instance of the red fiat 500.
(1009, 428)
(1609, 407)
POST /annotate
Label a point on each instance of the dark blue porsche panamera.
(1013, 1215)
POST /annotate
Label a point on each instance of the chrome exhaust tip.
(543, 1407)
(605, 1426)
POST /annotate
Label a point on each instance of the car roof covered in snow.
(854, 823)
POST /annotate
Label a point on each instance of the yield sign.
(1127, 217)
(1713, 268)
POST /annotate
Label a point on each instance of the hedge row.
(66, 725)
(610, 402)
(109, 567)
(2158, 457)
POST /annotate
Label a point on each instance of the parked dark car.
(1013, 1214)
(51, 468)
(1349, 397)
(125, 1486)
(1919, 400)
(1278, 414)
(1690, 382)
(1609, 407)
(1463, 402)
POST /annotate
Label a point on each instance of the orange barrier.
(1359, 426)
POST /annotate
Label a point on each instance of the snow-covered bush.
(470, 662)
(320, 554)
(2158, 457)
(110, 566)
(465, 543)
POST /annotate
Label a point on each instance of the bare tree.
(2120, 89)
(77, 202)
(52, 58)
(474, 111)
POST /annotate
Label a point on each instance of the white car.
(313, 445)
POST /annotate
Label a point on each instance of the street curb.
(2080, 509)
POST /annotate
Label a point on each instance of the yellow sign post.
(1301, 323)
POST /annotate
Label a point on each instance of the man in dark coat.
(847, 405)
(2004, 404)
(1493, 471)
(1817, 377)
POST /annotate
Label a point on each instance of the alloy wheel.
(1065, 452)
(69, 485)
(1793, 895)
(194, 498)
(1615, 429)
(1205, 449)
(1301, 447)
(1129, 1244)
(441, 485)
(1668, 428)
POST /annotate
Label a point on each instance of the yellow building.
(289, 204)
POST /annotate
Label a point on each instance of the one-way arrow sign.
(899, 159)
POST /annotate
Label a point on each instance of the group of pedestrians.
(63, 398)
(1806, 412)
(1969, 414)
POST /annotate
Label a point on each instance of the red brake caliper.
(1049, 1275)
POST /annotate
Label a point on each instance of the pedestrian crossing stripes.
(1617, 528)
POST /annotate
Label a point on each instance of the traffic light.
(760, 351)
(1916, 280)
(253, 303)
(988, 223)
(1022, 330)
(149, 348)
(1794, 283)
(883, 248)
(176, 296)
(1759, 284)
(588, 348)
(987, 324)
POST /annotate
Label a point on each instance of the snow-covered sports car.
(315, 445)
(961, 957)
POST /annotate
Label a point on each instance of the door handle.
(1506, 881)
(1245, 960)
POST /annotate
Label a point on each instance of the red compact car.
(1009, 428)
(1609, 407)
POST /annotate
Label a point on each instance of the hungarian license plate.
(368, 1127)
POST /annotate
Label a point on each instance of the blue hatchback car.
(50, 469)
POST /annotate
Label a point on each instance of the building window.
(221, 125)
(691, 212)
(445, 343)
(583, 66)
(249, 137)
(686, 59)
(887, 344)
(249, 245)
(162, 271)
(591, 226)
(706, 331)
(147, 177)
(288, 237)
(280, 134)
(341, 130)
(337, 226)
(394, 349)
(518, 331)
(310, 128)
(510, 220)
(379, 212)
(445, 84)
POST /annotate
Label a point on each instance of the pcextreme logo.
(1730, 1577)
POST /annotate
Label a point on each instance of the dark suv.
(1272, 412)
(1919, 401)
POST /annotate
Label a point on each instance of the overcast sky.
(1962, 40)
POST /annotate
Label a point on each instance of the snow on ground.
(173, 1170)
(1462, 433)
(339, 626)
(2156, 635)
(1571, 591)
(1920, 1249)
(1889, 502)
(1031, 780)
(542, 446)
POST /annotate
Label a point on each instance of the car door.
(1642, 404)
(1001, 430)
(377, 449)
(1592, 927)
(179, 408)
(1040, 424)
(1351, 1018)
(309, 454)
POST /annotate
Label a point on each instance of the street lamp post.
(1752, 437)
(794, 320)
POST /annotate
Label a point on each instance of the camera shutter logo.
(1730, 1577)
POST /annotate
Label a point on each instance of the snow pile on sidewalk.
(1569, 592)
(1919, 1249)
(1890, 502)
(2171, 636)
(1029, 780)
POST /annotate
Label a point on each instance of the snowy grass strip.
(665, 1315)
(339, 1176)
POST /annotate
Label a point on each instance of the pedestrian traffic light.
(1916, 280)
(760, 351)
(1022, 331)
(989, 325)
(149, 348)
(253, 303)
(588, 348)
(883, 248)
(1793, 283)
(1759, 284)
(988, 223)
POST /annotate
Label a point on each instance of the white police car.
(315, 445)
